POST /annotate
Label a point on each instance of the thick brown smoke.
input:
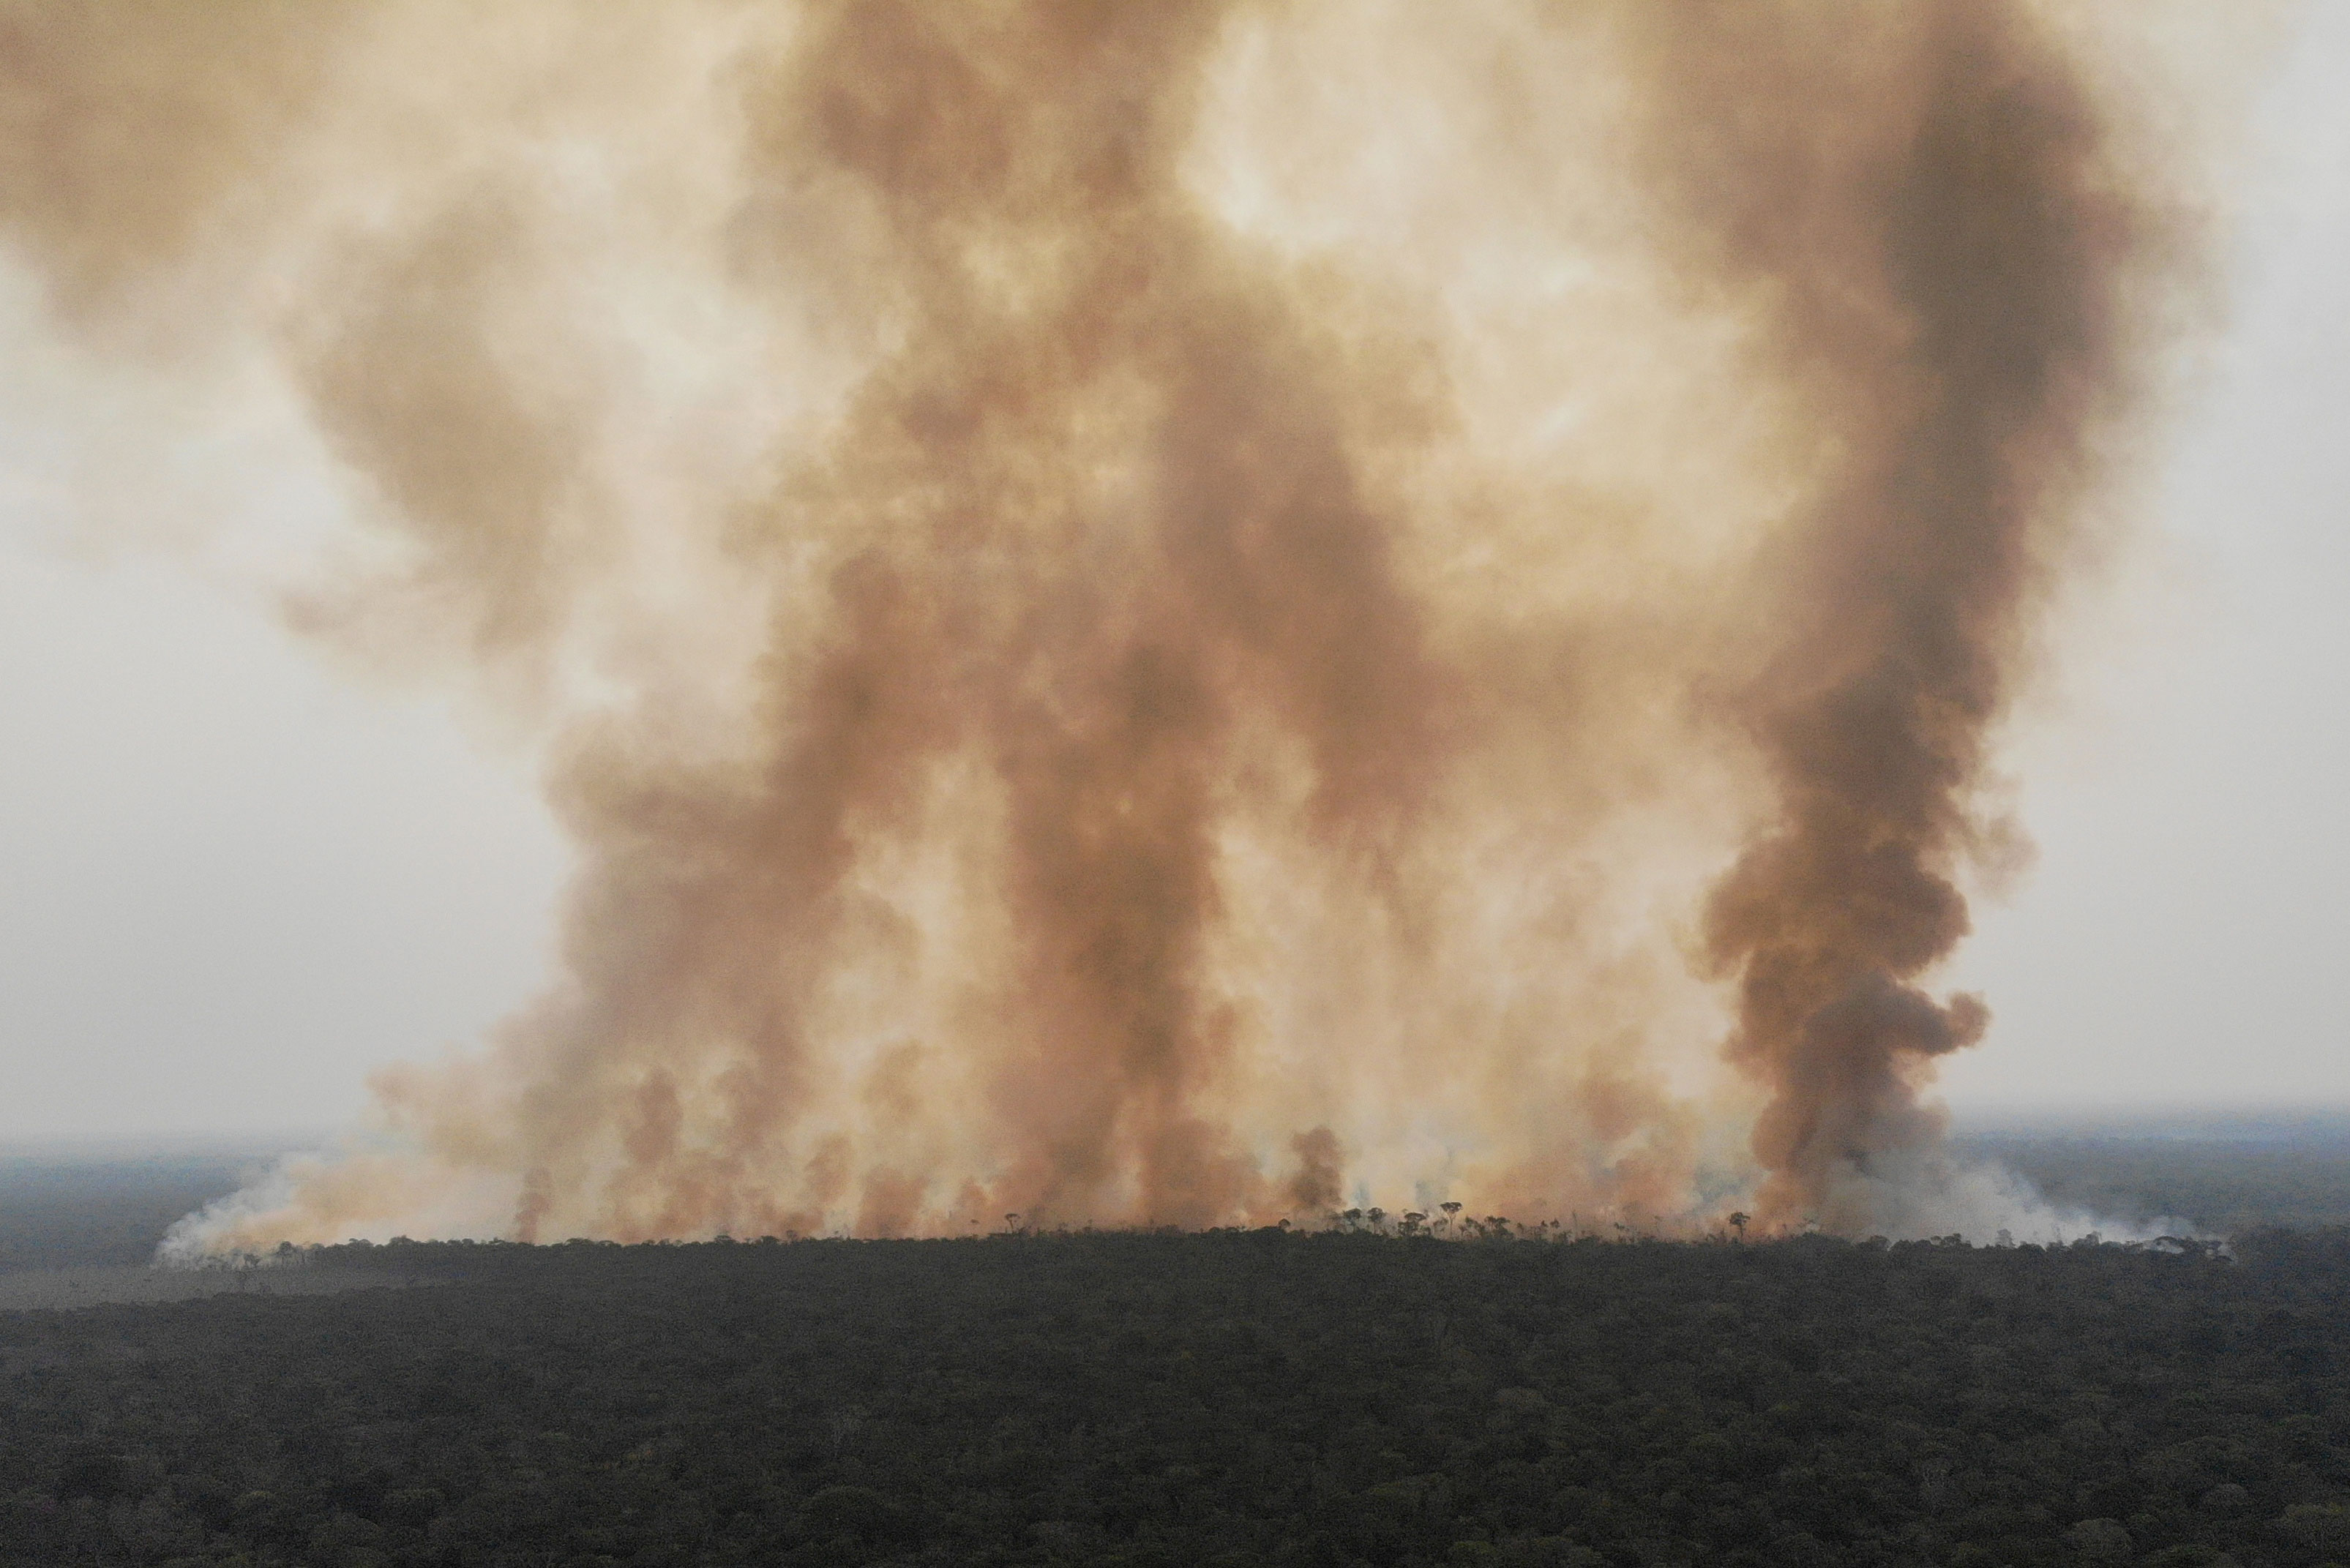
(1943, 292)
(1158, 613)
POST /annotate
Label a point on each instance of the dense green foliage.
(1233, 1398)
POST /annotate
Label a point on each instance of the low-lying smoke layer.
(1158, 614)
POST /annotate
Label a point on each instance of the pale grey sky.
(2185, 935)
(232, 882)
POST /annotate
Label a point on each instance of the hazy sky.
(232, 881)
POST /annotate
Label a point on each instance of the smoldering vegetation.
(80, 1226)
(1174, 613)
(62, 1208)
(2222, 1172)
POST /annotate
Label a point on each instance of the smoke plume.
(1160, 613)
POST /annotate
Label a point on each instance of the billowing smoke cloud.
(1941, 285)
(1160, 613)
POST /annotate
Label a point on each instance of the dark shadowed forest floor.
(1232, 1398)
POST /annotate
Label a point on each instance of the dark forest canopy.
(1230, 1398)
